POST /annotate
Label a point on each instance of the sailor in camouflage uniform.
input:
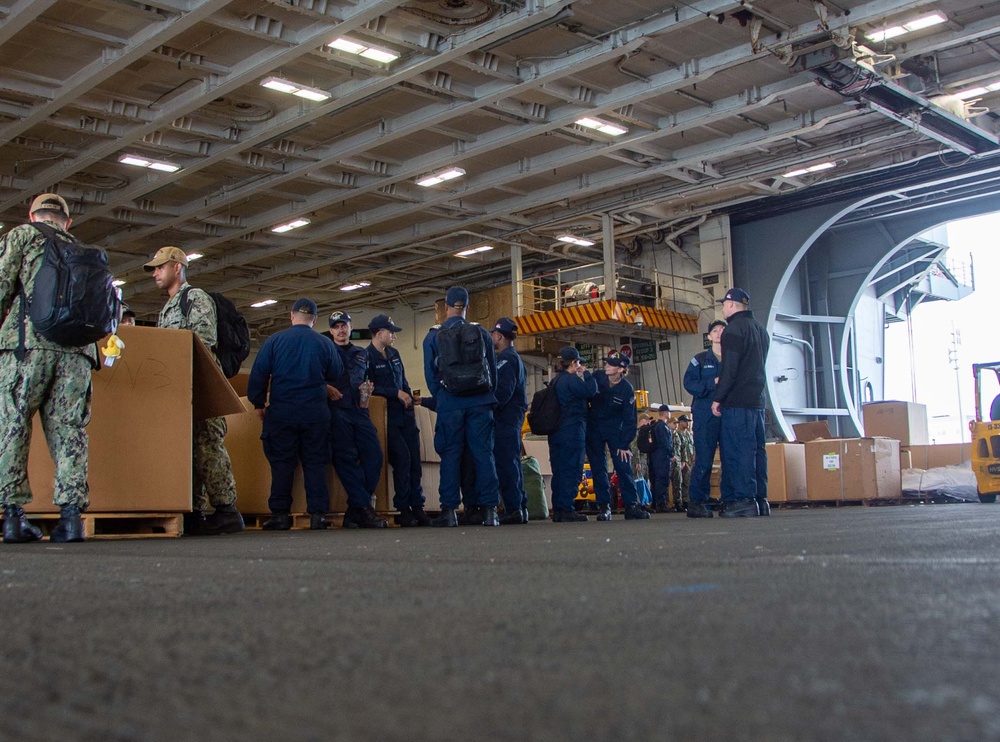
(684, 450)
(212, 476)
(51, 379)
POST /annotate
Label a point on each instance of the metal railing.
(584, 284)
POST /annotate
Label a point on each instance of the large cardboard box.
(786, 472)
(943, 454)
(904, 421)
(253, 473)
(853, 469)
(140, 431)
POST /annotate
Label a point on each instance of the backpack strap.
(185, 304)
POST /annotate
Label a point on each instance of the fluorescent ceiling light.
(293, 88)
(166, 167)
(194, 256)
(356, 286)
(264, 303)
(473, 251)
(971, 93)
(812, 169)
(602, 126)
(379, 55)
(363, 50)
(118, 282)
(281, 228)
(575, 240)
(441, 176)
(925, 21)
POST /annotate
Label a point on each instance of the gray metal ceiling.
(719, 100)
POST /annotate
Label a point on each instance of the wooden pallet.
(119, 525)
(805, 504)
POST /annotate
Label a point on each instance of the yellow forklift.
(986, 438)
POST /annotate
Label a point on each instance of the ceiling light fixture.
(264, 303)
(363, 50)
(916, 24)
(575, 240)
(807, 170)
(166, 167)
(118, 282)
(289, 226)
(194, 256)
(356, 286)
(473, 251)
(602, 126)
(440, 177)
(293, 88)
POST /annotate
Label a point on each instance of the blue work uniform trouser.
(356, 454)
(285, 445)
(707, 433)
(659, 476)
(403, 442)
(744, 458)
(566, 453)
(507, 454)
(455, 433)
(596, 444)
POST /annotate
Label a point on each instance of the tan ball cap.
(165, 255)
(50, 202)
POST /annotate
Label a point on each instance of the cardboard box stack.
(849, 469)
(904, 421)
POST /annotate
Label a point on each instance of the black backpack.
(73, 302)
(232, 334)
(545, 412)
(646, 439)
(462, 360)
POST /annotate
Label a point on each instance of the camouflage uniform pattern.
(212, 475)
(684, 453)
(52, 380)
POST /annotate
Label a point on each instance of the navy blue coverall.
(464, 423)
(699, 380)
(296, 364)
(740, 395)
(660, 462)
(402, 433)
(355, 450)
(512, 404)
(611, 423)
(567, 445)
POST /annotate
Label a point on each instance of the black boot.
(16, 528)
(225, 519)
(604, 513)
(513, 518)
(405, 518)
(744, 507)
(699, 510)
(763, 506)
(634, 512)
(358, 517)
(490, 516)
(524, 515)
(317, 522)
(471, 516)
(420, 516)
(278, 522)
(70, 526)
(568, 516)
(447, 519)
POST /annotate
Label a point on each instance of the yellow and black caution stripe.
(598, 312)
